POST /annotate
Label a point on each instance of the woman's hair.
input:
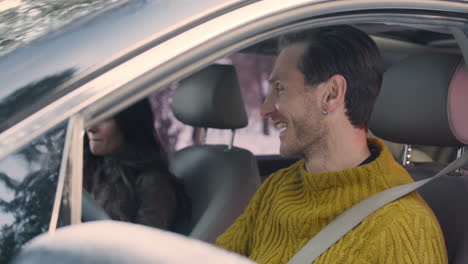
(141, 150)
(140, 139)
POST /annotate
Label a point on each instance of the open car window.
(260, 136)
(28, 182)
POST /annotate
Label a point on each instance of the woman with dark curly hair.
(126, 170)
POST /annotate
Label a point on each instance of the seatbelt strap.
(350, 218)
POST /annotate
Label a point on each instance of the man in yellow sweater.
(323, 88)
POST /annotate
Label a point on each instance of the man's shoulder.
(406, 228)
(414, 205)
(410, 211)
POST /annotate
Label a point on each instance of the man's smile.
(282, 126)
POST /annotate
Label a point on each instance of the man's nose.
(268, 107)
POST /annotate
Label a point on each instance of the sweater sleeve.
(238, 237)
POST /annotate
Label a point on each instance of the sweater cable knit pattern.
(293, 205)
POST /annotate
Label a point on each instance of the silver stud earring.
(325, 112)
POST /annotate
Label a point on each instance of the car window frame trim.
(71, 174)
(61, 179)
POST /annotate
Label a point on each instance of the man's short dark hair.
(347, 51)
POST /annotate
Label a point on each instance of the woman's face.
(105, 137)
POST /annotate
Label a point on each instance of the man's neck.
(338, 152)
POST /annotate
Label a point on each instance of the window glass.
(28, 181)
(260, 136)
(92, 37)
(22, 21)
(173, 134)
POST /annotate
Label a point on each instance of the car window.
(28, 181)
(95, 39)
(23, 21)
(260, 136)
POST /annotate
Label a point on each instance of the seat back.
(220, 184)
(220, 179)
(448, 198)
(423, 101)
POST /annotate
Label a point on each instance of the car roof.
(30, 74)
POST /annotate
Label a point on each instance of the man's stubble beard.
(310, 134)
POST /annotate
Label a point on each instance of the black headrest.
(211, 98)
(424, 100)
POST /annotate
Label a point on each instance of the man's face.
(293, 106)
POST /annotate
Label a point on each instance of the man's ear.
(336, 91)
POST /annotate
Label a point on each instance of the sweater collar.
(370, 173)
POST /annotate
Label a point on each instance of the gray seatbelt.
(345, 222)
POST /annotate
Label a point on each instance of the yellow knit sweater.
(293, 205)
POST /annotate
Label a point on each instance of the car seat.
(398, 151)
(220, 179)
(424, 101)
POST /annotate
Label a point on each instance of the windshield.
(33, 75)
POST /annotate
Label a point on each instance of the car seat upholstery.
(423, 101)
(420, 153)
(438, 154)
(220, 179)
(398, 150)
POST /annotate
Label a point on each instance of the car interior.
(428, 120)
(220, 179)
(396, 42)
(424, 71)
(418, 130)
(417, 115)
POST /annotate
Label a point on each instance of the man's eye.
(279, 88)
